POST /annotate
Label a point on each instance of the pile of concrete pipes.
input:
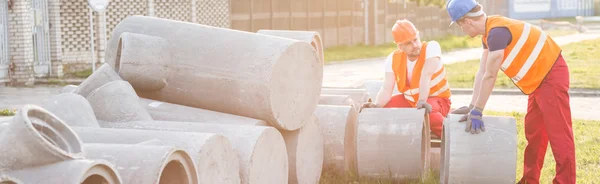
(185, 103)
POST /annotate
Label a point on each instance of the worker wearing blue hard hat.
(534, 62)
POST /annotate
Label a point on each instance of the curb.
(572, 92)
(51, 81)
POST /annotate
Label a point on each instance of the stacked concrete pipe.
(147, 163)
(258, 76)
(38, 147)
(312, 37)
(336, 100)
(261, 149)
(359, 96)
(213, 154)
(339, 127)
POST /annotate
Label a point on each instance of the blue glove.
(475, 122)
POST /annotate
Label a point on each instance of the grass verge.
(8, 112)
(582, 58)
(448, 43)
(587, 147)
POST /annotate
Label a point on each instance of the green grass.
(587, 147)
(582, 58)
(328, 178)
(343, 53)
(448, 43)
(8, 112)
(82, 74)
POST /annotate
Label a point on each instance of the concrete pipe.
(147, 164)
(68, 89)
(81, 171)
(261, 149)
(116, 101)
(71, 108)
(389, 143)
(4, 179)
(487, 157)
(164, 111)
(359, 96)
(305, 153)
(216, 160)
(312, 37)
(37, 137)
(247, 74)
(101, 76)
(338, 124)
(336, 100)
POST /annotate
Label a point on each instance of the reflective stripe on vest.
(438, 84)
(529, 56)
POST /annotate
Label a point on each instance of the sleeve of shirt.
(498, 38)
(433, 50)
(388, 62)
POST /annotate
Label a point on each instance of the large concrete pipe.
(305, 153)
(36, 137)
(338, 125)
(359, 96)
(336, 100)
(82, 171)
(147, 164)
(487, 157)
(68, 89)
(258, 76)
(312, 37)
(216, 160)
(261, 149)
(165, 111)
(101, 76)
(71, 108)
(389, 143)
(116, 101)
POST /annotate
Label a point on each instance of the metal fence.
(41, 37)
(4, 49)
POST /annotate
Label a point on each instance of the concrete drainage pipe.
(312, 37)
(71, 108)
(247, 74)
(37, 137)
(116, 101)
(147, 164)
(216, 160)
(71, 171)
(338, 124)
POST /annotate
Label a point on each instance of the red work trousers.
(439, 109)
(549, 119)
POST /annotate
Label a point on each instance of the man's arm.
(479, 76)
(492, 66)
(385, 93)
(429, 68)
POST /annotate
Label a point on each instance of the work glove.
(463, 110)
(474, 120)
(423, 104)
(367, 105)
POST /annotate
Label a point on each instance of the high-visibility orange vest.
(529, 56)
(438, 86)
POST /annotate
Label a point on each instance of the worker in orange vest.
(412, 65)
(533, 61)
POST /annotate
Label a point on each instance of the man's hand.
(475, 123)
(463, 110)
(423, 104)
(367, 105)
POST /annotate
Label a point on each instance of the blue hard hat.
(458, 8)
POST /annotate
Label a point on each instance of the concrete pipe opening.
(100, 174)
(179, 170)
(54, 131)
(9, 180)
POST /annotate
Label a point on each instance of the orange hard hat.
(403, 31)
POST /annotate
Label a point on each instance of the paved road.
(353, 73)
